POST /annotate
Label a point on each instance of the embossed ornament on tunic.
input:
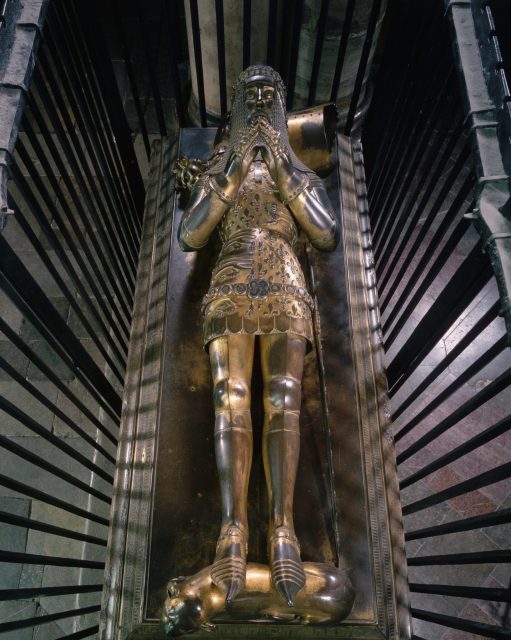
(257, 285)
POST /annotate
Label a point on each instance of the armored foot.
(228, 571)
(286, 567)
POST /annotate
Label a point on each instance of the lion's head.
(182, 614)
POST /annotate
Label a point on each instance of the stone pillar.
(334, 27)
(233, 30)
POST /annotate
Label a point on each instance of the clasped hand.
(260, 136)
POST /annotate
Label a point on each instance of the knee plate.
(282, 393)
(231, 395)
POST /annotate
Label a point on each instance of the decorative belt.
(256, 289)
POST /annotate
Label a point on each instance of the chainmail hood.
(239, 115)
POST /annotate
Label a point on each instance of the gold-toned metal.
(188, 171)
(312, 136)
(259, 195)
(195, 602)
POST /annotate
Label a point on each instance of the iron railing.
(167, 51)
(448, 361)
(68, 261)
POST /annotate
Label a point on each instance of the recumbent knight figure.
(259, 195)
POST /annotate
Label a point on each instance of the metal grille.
(68, 261)
(448, 365)
(157, 49)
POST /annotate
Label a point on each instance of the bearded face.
(259, 94)
(259, 97)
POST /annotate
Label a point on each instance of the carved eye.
(250, 94)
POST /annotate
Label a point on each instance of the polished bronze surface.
(195, 603)
(167, 499)
(311, 134)
(259, 196)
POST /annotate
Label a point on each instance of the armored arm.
(312, 210)
(307, 199)
(203, 213)
(212, 195)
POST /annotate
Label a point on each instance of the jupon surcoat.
(257, 286)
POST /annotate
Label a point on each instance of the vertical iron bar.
(503, 516)
(428, 32)
(116, 18)
(43, 496)
(364, 57)
(343, 46)
(502, 472)
(247, 20)
(419, 291)
(391, 264)
(82, 104)
(411, 125)
(318, 48)
(477, 593)
(404, 201)
(469, 279)
(435, 208)
(197, 54)
(108, 87)
(31, 200)
(25, 156)
(220, 38)
(13, 447)
(123, 250)
(59, 443)
(295, 44)
(411, 152)
(391, 151)
(151, 65)
(481, 397)
(35, 393)
(83, 633)
(28, 523)
(101, 107)
(478, 629)
(123, 253)
(476, 366)
(3, 12)
(30, 299)
(418, 270)
(173, 31)
(50, 374)
(466, 341)
(474, 443)
(55, 561)
(25, 593)
(38, 620)
(272, 30)
(125, 297)
(43, 255)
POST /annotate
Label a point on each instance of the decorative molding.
(123, 608)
